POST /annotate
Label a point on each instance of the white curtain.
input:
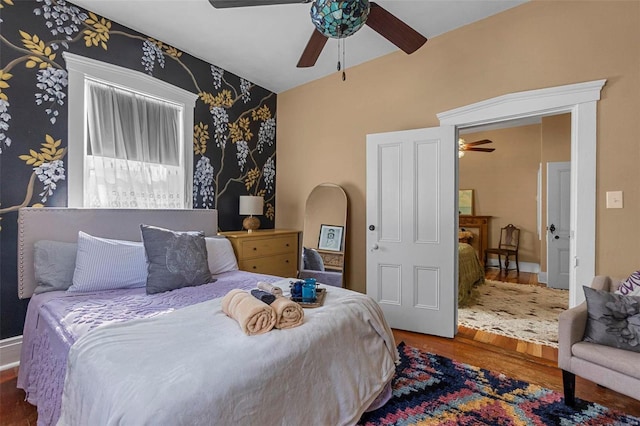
(133, 157)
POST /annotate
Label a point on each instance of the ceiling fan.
(464, 146)
(340, 19)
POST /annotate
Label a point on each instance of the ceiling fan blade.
(223, 4)
(482, 142)
(394, 30)
(312, 51)
(480, 149)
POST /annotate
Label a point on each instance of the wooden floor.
(519, 360)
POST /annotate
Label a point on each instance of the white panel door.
(412, 239)
(558, 224)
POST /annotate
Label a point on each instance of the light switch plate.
(614, 199)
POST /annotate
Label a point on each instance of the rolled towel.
(289, 313)
(266, 297)
(270, 288)
(253, 315)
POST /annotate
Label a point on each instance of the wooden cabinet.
(479, 227)
(266, 251)
(332, 260)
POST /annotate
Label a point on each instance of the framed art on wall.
(465, 201)
(330, 238)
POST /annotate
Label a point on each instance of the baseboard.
(10, 352)
(542, 277)
(530, 267)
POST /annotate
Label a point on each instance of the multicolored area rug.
(524, 312)
(430, 389)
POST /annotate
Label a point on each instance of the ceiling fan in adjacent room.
(340, 19)
(464, 146)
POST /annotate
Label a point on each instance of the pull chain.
(344, 63)
(339, 65)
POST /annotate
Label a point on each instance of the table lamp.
(251, 205)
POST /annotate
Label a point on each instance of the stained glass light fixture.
(339, 19)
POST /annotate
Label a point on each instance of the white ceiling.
(263, 44)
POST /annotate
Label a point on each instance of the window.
(134, 147)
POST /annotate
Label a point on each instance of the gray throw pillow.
(614, 319)
(53, 264)
(174, 259)
(312, 260)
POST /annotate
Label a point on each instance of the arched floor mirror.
(324, 235)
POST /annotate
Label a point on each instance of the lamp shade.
(250, 205)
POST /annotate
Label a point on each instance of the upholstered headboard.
(63, 224)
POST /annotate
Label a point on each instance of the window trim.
(81, 68)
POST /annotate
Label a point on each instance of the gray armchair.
(613, 368)
(322, 277)
(313, 267)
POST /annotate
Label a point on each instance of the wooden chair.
(508, 246)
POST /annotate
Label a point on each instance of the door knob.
(557, 237)
(375, 246)
(372, 228)
(552, 228)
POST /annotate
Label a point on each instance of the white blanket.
(195, 366)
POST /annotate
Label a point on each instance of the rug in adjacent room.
(430, 389)
(521, 311)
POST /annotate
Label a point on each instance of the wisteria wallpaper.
(234, 128)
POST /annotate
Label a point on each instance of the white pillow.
(630, 286)
(220, 255)
(104, 264)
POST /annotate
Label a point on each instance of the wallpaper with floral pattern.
(234, 128)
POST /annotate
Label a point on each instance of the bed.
(471, 274)
(122, 356)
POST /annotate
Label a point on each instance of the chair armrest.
(603, 282)
(571, 326)
(323, 277)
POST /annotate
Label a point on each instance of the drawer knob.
(287, 244)
(255, 248)
(286, 261)
(255, 267)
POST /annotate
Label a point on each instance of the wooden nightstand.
(479, 228)
(266, 251)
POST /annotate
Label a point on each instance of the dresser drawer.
(251, 248)
(282, 265)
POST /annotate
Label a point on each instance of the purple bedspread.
(56, 320)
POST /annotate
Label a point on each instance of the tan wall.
(322, 126)
(505, 184)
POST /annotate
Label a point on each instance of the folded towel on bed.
(289, 313)
(270, 288)
(264, 296)
(253, 315)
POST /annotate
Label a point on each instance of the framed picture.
(465, 201)
(330, 238)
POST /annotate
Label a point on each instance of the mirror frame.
(332, 216)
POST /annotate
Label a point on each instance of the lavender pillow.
(174, 259)
(106, 264)
(613, 319)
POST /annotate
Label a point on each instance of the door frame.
(581, 101)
